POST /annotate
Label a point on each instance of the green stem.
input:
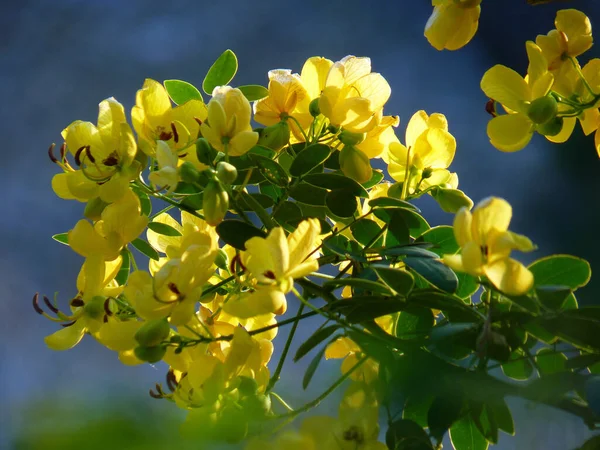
(168, 200)
(286, 349)
(580, 73)
(325, 394)
(406, 180)
(306, 140)
(282, 401)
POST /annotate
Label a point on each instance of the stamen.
(77, 302)
(63, 151)
(165, 136)
(173, 288)
(183, 156)
(154, 394)
(88, 152)
(175, 133)
(198, 121)
(78, 155)
(50, 306)
(171, 381)
(51, 154)
(269, 274)
(112, 159)
(36, 304)
(68, 324)
(107, 307)
(490, 107)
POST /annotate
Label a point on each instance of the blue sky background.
(59, 59)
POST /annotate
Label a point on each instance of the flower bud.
(256, 405)
(275, 136)
(204, 152)
(355, 164)
(222, 260)
(542, 109)
(95, 307)
(552, 127)
(247, 386)
(153, 332)
(348, 138)
(93, 209)
(215, 203)
(227, 173)
(150, 354)
(395, 190)
(313, 107)
(451, 200)
(189, 173)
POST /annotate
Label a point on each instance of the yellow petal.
(538, 64)
(67, 337)
(451, 26)
(597, 141)
(507, 87)
(159, 241)
(492, 214)
(83, 239)
(578, 28)
(119, 336)
(462, 226)
(242, 142)
(156, 104)
(417, 124)
(510, 276)
(435, 148)
(565, 133)
(355, 68)
(60, 186)
(303, 240)
(110, 117)
(80, 134)
(510, 132)
(472, 259)
(340, 348)
(270, 254)
(314, 73)
(375, 88)
(455, 262)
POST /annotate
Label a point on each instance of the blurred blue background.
(59, 59)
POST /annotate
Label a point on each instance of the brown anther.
(171, 381)
(198, 121)
(50, 306)
(63, 151)
(88, 152)
(107, 307)
(112, 159)
(236, 260)
(36, 304)
(269, 274)
(159, 389)
(77, 302)
(165, 136)
(51, 154)
(173, 288)
(78, 155)
(490, 107)
(353, 434)
(154, 394)
(175, 133)
(183, 156)
(68, 324)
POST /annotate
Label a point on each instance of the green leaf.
(434, 272)
(359, 283)
(63, 238)
(271, 170)
(309, 194)
(416, 408)
(564, 270)
(406, 434)
(519, 367)
(483, 418)
(182, 91)
(443, 412)
(312, 367)
(581, 361)
(375, 179)
(399, 280)
(309, 158)
(145, 202)
(221, 72)
(503, 416)
(248, 205)
(336, 181)
(341, 202)
(144, 248)
(553, 297)
(123, 273)
(592, 443)
(236, 232)
(464, 435)
(364, 308)
(416, 223)
(442, 238)
(365, 230)
(164, 229)
(315, 339)
(398, 232)
(389, 202)
(429, 298)
(406, 250)
(275, 192)
(414, 321)
(287, 212)
(254, 92)
(467, 285)
(549, 362)
(578, 329)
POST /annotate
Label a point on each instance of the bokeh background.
(59, 59)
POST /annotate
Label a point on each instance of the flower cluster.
(265, 216)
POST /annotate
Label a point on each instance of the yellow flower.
(429, 150)
(571, 38)
(154, 118)
(378, 140)
(453, 23)
(486, 246)
(121, 222)
(95, 283)
(513, 131)
(353, 96)
(166, 176)
(105, 154)
(228, 127)
(275, 262)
